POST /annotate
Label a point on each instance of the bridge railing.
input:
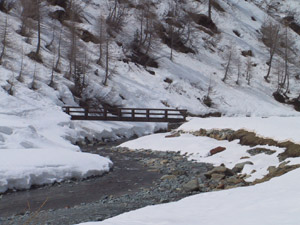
(126, 114)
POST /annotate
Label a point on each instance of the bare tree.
(4, 39)
(49, 45)
(51, 84)
(33, 85)
(229, 58)
(117, 15)
(179, 31)
(74, 46)
(107, 55)
(249, 69)
(269, 5)
(206, 99)
(32, 10)
(172, 24)
(270, 37)
(239, 64)
(101, 28)
(209, 8)
(289, 55)
(56, 68)
(279, 71)
(38, 18)
(6, 5)
(12, 84)
(20, 76)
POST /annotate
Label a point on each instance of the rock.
(172, 135)
(271, 169)
(256, 151)
(276, 172)
(245, 157)
(217, 177)
(283, 164)
(292, 150)
(240, 166)
(178, 172)
(234, 180)
(190, 186)
(6, 130)
(217, 150)
(221, 186)
(164, 162)
(168, 177)
(153, 170)
(219, 170)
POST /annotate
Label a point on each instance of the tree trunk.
(107, 61)
(38, 28)
(209, 9)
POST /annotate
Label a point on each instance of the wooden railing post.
(148, 114)
(166, 115)
(119, 113)
(86, 113)
(133, 114)
(68, 110)
(105, 113)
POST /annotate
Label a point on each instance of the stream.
(138, 179)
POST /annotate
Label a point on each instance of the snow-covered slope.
(31, 118)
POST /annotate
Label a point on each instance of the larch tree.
(270, 37)
(4, 32)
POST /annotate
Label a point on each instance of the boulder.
(217, 150)
(234, 180)
(219, 170)
(191, 186)
(240, 166)
(217, 177)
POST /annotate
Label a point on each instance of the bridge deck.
(127, 114)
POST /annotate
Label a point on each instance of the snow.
(37, 141)
(277, 128)
(198, 148)
(21, 168)
(32, 122)
(272, 203)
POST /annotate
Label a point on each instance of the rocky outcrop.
(276, 172)
(251, 139)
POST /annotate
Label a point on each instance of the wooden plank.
(127, 114)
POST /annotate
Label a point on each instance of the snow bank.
(273, 203)
(22, 168)
(198, 148)
(36, 143)
(277, 128)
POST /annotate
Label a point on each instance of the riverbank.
(138, 179)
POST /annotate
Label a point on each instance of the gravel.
(138, 179)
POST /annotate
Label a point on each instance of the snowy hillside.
(31, 116)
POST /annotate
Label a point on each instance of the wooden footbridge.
(127, 114)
